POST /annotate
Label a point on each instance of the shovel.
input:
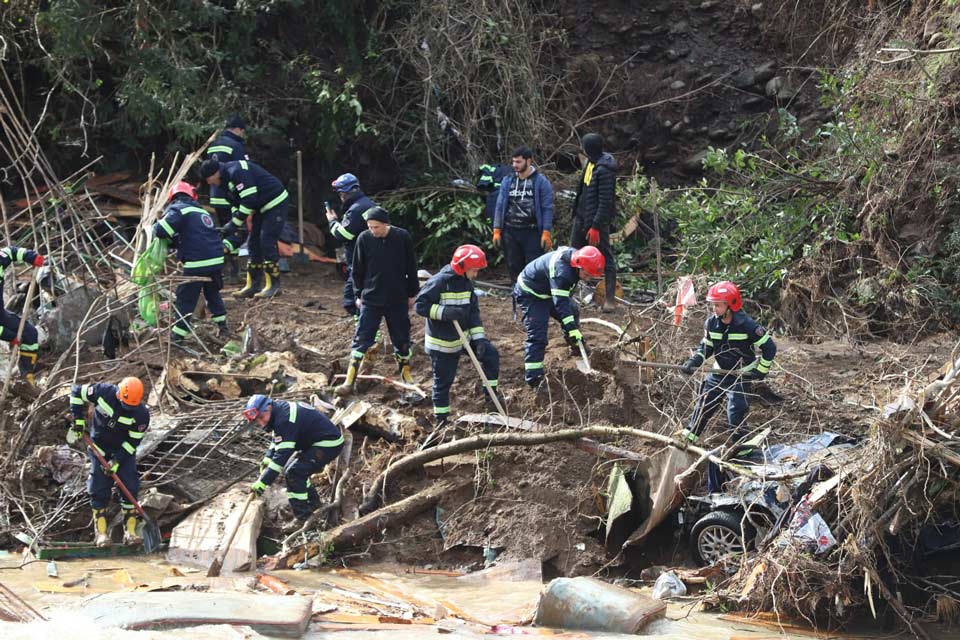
(476, 363)
(151, 531)
(584, 363)
(217, 565)
(300, 257)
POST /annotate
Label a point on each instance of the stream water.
(489, 602)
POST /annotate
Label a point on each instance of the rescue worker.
(384, 272)
(230, 145)
(731, 337)
(120, 420)
(543, 290)
(449, 296)
(197, 239)
(296, 427)
(523, 218)
(355, 203)
(594, 210)
(491, 177)
(29, 343)
(251, 190)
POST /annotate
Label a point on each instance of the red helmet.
(727, 292)
(182, 187)
(468, 256)
(590, 260)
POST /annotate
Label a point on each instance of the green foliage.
(439, 221)
(338, 112)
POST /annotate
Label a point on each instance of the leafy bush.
(439, 220)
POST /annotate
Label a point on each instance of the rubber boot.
(610, 297)
(271, 287)
(410, 397)
(254, 281)
(349, 385)
(27, 363)
(100, 528)
(131, 527)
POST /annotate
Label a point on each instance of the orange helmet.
(468, 256)
(727, 292)
(130, 391)
(590, 260)
(182, 187)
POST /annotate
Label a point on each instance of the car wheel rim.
(718, 541)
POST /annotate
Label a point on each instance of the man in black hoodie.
(384, 273)
(594, 207)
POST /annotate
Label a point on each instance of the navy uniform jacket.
(550, 277)
(444, 290)
(228, 147)
(733, 345)
(8, 256)
(195, 234)
(249, 188)
(117, 428)
(353, 224)
(296, 427)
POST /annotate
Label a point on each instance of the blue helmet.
(257, 404)
(346, 182)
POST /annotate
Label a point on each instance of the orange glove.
(546, 243)
(496, 237)
(593, 237)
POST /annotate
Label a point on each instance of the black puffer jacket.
(596, 201)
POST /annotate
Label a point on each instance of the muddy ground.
(541, 502)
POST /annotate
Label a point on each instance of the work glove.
(480, 348)
(38, 261)
(546, 242)
(593, 237)
(258, 488)
(454, 312)
(753, 376)
(112, 468)
(15, 343)
(75, 433)
(688, 367)
(496, 237)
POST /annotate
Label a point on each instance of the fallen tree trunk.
(378, 487)
(352, 533)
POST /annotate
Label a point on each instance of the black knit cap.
(377, 213)
(209, 167)
(593, 145)
(235, 122)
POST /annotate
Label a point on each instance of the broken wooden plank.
(285, 616)
(197, 539)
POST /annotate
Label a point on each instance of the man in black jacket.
(594, 207)
(384, 273)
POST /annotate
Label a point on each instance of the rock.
(644, 50)
(707, 5)
(744, 79)
(694, 164)
(718, 134)
(677, 128)
(757, 9)
(765, 71)
(676, 85)
(679, 28)
(675, 54)
(774, 86)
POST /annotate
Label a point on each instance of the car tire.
(718, 534)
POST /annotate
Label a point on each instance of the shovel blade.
(151, 537)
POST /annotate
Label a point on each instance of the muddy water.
(492, 603)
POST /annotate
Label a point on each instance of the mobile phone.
(326, 204)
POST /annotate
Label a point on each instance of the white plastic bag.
(816, 532)
(668, 585)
